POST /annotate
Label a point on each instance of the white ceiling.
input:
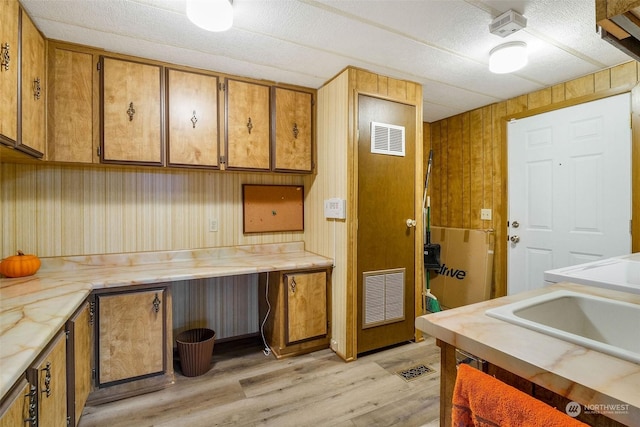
(442, 44)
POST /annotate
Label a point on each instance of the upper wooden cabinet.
(32, 131)
(9, 16)
(248, 126)
(292, 130)
(70, 104)
(131, 112)
(192, 131)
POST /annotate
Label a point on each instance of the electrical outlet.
(213, 224)
(485, 214)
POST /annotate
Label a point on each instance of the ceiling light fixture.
(508, 57)
(211, 15)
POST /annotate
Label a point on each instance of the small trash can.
(195, 348)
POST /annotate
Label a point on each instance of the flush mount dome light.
(508, 57)
(211, 15)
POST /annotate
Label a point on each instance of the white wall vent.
(387, 139)
(383, 295)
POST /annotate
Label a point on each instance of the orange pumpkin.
(19, 265)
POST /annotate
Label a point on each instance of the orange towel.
(482, 401)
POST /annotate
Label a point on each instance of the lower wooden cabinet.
(297, 309)
(49, 375)
(15, 409)
(79, 361)
(133, 350)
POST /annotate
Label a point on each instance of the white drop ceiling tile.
(433, 112)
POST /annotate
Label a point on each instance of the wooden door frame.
(352, 305)
(634, 91)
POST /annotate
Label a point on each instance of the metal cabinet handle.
(47, 379)
(249, 125)
(295, 130)
(293, 285)
(92, 312)
(36, 88)
(6, 57)
(156, 303)
(33, 409)
(131, 111)
(194, 119)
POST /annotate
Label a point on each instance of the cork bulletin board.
(272, 208)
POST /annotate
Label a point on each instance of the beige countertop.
(585, 376)
(34, 308)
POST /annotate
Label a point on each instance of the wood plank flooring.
(246, 388)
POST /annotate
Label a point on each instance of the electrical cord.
(267, 350)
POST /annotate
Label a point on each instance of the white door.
(569, 189)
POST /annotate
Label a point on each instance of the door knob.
(515, 224)
(411, 223)
(515, 239)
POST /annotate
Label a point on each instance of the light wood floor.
(246, 388)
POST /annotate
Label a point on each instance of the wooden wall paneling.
(454, 172)
(444, 167)
(624, 74)
(500, 214)
(368, 82)
(602, 80)
(517, 105)
(435, 180)
(558, 93)
(488, 165)
(539, 98)
(580, 87)
(466, 194)
(476, 169)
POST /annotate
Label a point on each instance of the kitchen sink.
(602, 324)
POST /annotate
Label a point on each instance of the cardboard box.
(466, 266)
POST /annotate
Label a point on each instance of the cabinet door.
(292, 145)
(248, 126)
(131, 112)
(49, 375)
(193, 119)
(79, 328)
(32, 137)
(16, 410)
(9, 12)
(131, 335)
(70, 105)
(306, 309)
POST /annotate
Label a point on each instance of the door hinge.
(68, 420)
(98, 151)
(67, 333)
(93, 373)
(222, 87)
(98, 66)
(223, 160)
